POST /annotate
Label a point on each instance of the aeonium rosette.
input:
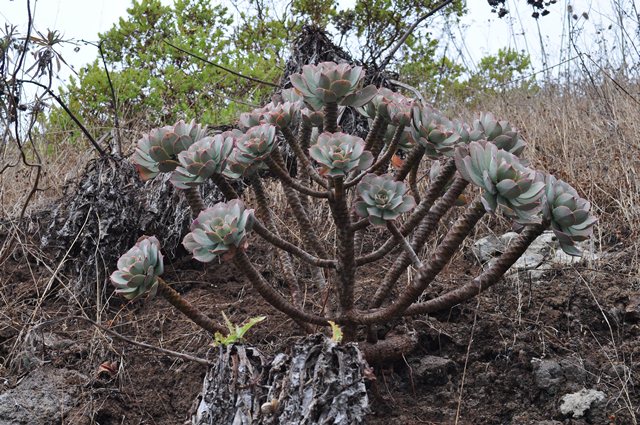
(329, 82)
(434, 132)
(157, 152)
(506, 183)
(500, 133)
(382, 199)
(340, 153)
(219, 231)
(250, 150)
(568, 214)
(139, 269)
(206, 157)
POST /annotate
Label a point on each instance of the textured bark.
(186, 308)
(486, 279)
(429, 270)
(318, 382)
(331, 117)
(345, 251)
(103, 213)
(194, 200)
(412, 160)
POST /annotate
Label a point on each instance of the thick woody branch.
(192, 194)
(272, 296)
(274, 163)
(487, 279)
(429, 270)
(186, 308)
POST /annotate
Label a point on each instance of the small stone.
(548, 375)
(577, 404)
(433, 370)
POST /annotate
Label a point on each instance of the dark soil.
(481, 363)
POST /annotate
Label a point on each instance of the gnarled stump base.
(319, 382)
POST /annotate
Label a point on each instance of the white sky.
(479, 33)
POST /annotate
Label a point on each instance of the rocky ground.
(557, 346)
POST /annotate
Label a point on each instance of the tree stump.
(318, 382)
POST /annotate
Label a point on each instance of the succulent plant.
(157, 152)
(395, 108)
(247, 120)
(340, 153)
(281, 115)
(382, 199)
(406, 141)
(139, 269)
(251, 148)
(507, 183)
(568, 214)
(329, 82)
(219, 231)
(312, 118)
(204, 158)
(434, 132)
(500, 133)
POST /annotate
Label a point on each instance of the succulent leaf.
(329, 82)
(250, 150)
(434, 132)
(204, 158)
(340, 153)
(139, 269)
(219, 231)
(568, 214)
(500, 133)
(506, 183)
(382, 199)
(157, 152)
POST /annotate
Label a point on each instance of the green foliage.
(156, 83)
(236, 333)
(336, 332)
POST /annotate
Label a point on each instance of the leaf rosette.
(203, 159)
(506, 183)
(157, 152)
(568, 214)
(434, 132)
(500, 133)
(393, 107)
(382, 199)
(139, 269)
(329, 82)
(250, 150)
(282, 115)
(219, 231)
(340, 153)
